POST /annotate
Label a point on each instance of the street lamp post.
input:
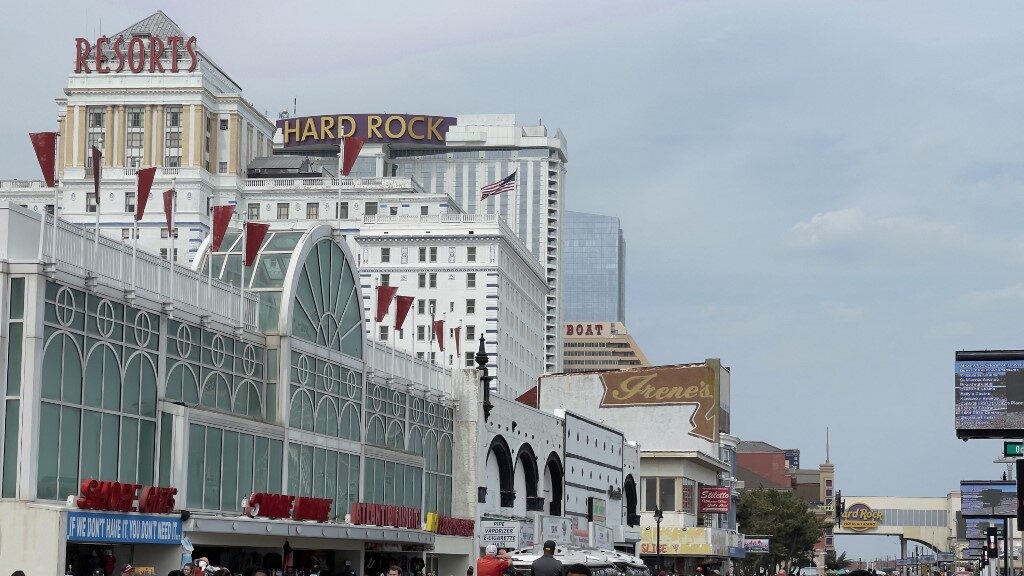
(485, 379)
(657, 533)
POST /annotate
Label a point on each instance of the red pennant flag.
(254, 235)
(96, 169)
(169, 210)
(352, 144)
(384, 296)
(402, 310)
(221, 219)
(458, 341)
(45, 145)
(439, 333)
(145, 183)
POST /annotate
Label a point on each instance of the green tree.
(833, 562)
(791, 525)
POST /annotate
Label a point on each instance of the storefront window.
(660, 492)
(689, 500)
(9, 390)
(98, 392)
(225, 466)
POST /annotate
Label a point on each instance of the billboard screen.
(989, 499)
(976, 527)
(989, 394)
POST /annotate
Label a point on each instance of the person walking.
(547, 565)
(493, 563)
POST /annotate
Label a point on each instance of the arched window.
(182, 384)
(327, 417)
(247, 400)
(216, 393)
(302, 411)
(327, 309)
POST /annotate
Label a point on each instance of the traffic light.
(1020, 503)
(992, 542)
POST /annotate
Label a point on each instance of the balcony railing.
(388, 183)
(405, 369)
(110, 263)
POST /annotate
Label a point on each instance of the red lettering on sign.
(156, 52)
(190, 47)
(119, 53)
(121, 497)
(316, 509)
(173, 42)
(82, 49)
(136, 55)
(385, 515)
(157, 500)
(101, 66)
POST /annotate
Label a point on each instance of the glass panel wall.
(324, 473)
(225, 466)
(10, 388)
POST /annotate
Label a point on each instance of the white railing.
(110, 262)
(389, 183)
(23, 185)
(407, 369)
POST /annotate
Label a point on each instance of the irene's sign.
(695, 385)
(400, 128)
(136, 54)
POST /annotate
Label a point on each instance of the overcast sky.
(826, 196)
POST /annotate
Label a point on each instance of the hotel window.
(253, 211)
(661, 493)
(423, 254)
(421, 334)
(422, 279)
(282, 211)
(433, 357)
(419, 355)
(207, 140)
(470, 306)
(433, 280)
(163, 254)
(383, 336)
(433, 253)
(471, 280)
(471, 254)
(393, 210)
(97, 117)
(370, 209)
(469, 360)
(341, 210)
(385, 279)
(163, 232)
(172, 136)
(385, 254)
(126, 233)
(312, 211)
(224, 124)
(222, 167)
(129, 202)
(134, 135)
(424, 210)
(432, 306)
(90, 202)
(421, 306)
(470, 333)
(828, 483)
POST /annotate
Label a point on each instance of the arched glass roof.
(267, 274)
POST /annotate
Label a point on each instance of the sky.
(825, 195)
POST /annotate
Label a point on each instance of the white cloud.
(826, 227)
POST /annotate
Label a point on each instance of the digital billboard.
(989, 499)
(989, 394)
(976, 527)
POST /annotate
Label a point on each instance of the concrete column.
(186, 134)
(79, 146)
(31, 386)
(121, 143)
(158, 136)
(147, 135)
(108, 136)
(198, 132)
(233, 147)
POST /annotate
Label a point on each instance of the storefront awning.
(264, 527)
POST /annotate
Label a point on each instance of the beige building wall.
(590, 346)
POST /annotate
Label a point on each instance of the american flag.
(504, 185)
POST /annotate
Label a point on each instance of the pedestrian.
(469, 571)
(175, 573)
(577, 570)
(492, 563)
(547, 564)
(128, 570)
(348, 569)
(186, 569)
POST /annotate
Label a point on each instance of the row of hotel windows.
(429, 280)
(429, 254)
(313, 210)
(134, 134)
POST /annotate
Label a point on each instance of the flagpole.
(241, 282)
(96, 234)
(394, 340)
(57, 193)
(373, 331)
(341, 162)
(170, 239)
(42, 214)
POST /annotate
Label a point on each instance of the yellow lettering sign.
(288, 130)
(326, 127)
(373, 126)
(401, 125)
(432, 129)
(412, 122)
(344, 132)
(310, 130)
